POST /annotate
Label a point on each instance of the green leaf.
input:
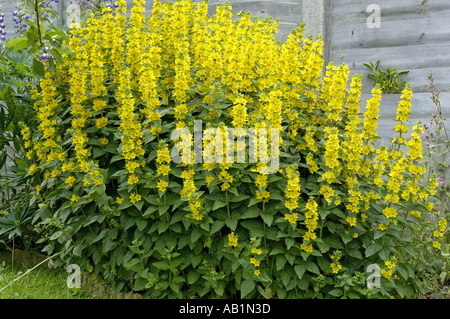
(251, 212)
(336, 292)
(38, 68)
(253, 201)
(285, 278)
(163, 265)
(133, 264)
(289, 242)
(373, 249)
(56, 55)
(162, 226)
(150, 210)
(140, 284)
(141, 223)
(403, 271)
(218, 204)
(216, 226)
(192, 276)
(384, 253)
(195, 235)
(312, 267)
(300, 270)
(267, 217)
(232, 223)
(25, 7)
(378, 234)
(333, 241)
(17, 43)
(77, 250)
(254, 226)
(280, 261)
(355, 253)
(323, 246)
(239, 198)
(247, 287)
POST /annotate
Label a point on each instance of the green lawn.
(40, 283)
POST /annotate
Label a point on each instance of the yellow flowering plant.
(111, 121)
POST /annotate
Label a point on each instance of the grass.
(41, 283)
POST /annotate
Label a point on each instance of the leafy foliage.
(389, 79)
(113, 201)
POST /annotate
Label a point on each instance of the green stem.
(228, 204)
(38, 23)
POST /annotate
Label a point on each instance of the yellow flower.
(86, 182)
(308, 248)
(390, 212)
(254, 261)
(335, 267)
(232, 240)
(351, 221)
(438, 234)
(309, 236)
(103, 140)
(74, 198)
(382, 227)
(70, 180)
(33, 168)
(209, 179)
(134, 198)
(291, 218)
(131, 166)
(256, 251)
(162, 185)
(292, 190)
(132, 179)
(101, 122)
(264, 196)
(386, 273)
(261, 180)
(163, 170)
(119, 200)
(327, 193)
(257, 272)
(390, 264)
(416, 213)
(312, 164)
(436, 244)
(442, 225)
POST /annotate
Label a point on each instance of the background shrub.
(113, 201)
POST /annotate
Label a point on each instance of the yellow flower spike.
(437, 244)
(162, 185)
(254, 261)
(134, 198)
(232, 240)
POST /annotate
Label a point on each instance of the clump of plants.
(142, 185)
(437, 160)
(389, 80)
